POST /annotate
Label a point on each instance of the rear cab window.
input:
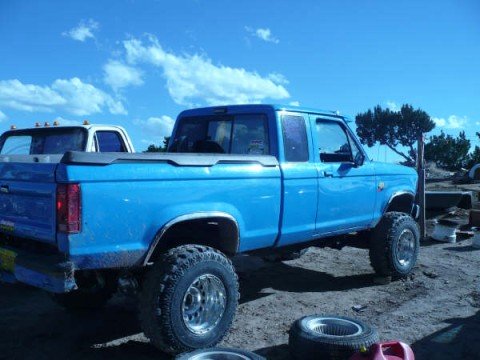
(242, 134)
(43, 141)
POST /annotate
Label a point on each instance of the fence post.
(421, 185)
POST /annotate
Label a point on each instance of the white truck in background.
(58, 139)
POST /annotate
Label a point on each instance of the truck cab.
(57, 139)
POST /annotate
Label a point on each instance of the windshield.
(43, 141)
(234, 134)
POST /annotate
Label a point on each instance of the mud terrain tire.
(329, 337)
(394, 245)
(177, 295)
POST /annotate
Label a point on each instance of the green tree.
(161, 148)
(474, 157)
(448, 152)
(394, 128)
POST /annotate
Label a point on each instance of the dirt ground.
(436, 310)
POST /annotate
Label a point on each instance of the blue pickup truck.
(236, 179)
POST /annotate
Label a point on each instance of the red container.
(390, 350)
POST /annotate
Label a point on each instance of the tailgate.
(27, 200)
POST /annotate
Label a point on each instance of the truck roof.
(87, 127)
(256, 107)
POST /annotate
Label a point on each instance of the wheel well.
(217, 232)
(402, 203)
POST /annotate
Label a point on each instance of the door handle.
(4, 189)
(328, 174)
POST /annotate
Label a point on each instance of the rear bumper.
(48, 272)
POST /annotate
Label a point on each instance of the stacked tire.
(329, 337)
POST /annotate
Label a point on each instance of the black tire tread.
(381, 242)
(166, 271)
(305, 345)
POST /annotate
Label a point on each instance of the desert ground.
(436, 310)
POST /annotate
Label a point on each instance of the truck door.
(346, 190)
(299, 176)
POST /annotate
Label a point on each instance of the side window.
(295, 138)
(353, 146)
(19, 145)
(333, 142)
(110, 141)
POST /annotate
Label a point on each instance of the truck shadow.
(282, 276)
(459, 340)
(32, 326)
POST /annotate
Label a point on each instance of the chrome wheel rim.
(204, 304)
(334, 327)
(219, 355)
(405, 247)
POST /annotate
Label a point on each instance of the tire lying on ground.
(394, 245)
(329, 337)
(188, 299)
(220, 354)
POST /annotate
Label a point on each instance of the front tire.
(394, 245)
(189, 298)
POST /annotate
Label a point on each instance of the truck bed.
(126, 199)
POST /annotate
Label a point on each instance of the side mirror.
(359, 159)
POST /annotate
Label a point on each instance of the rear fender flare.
(188, 217)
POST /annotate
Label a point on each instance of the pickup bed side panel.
(124, 205)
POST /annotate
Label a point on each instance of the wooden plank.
(421, 185)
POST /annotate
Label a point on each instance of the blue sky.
(139, 63)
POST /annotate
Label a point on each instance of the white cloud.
(28, 97)
(452, 122)
(85, 99)
(278, 78)
(440, 122)
(119, 75)
(67, 122)
(85, 30)
(194, 78)
(157, 128)
(392, 105)
(2, 116)
(73, 96)
(294, 103)
(264, 34)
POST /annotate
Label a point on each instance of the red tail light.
(68, 208)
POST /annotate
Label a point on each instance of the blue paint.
(7, 277)
(55, 284)
(126, 204)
